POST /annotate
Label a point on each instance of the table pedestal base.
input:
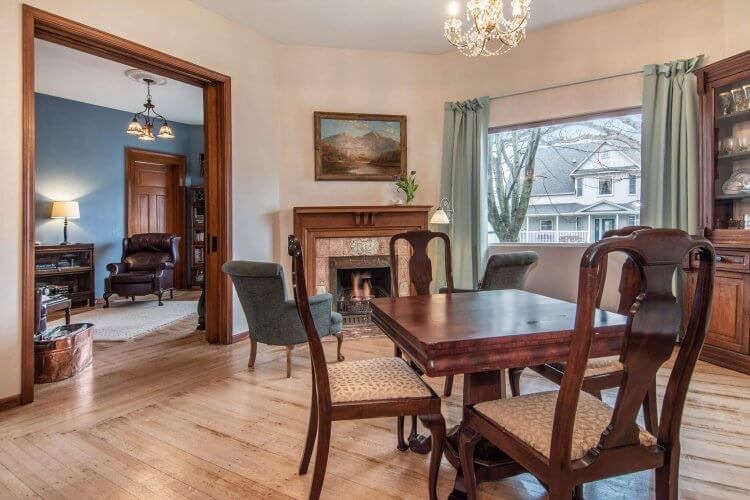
(490, 463)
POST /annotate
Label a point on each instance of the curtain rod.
(562, 85)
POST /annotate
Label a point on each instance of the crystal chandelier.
(145, 131)
(490, 33)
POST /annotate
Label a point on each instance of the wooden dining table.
(480, 335)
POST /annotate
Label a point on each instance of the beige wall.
(276, 88)
(320, 79)
(184, 30)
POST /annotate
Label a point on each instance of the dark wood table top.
(490, 330)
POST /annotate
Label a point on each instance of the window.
(632, 184)
(553, 171)
(633, 220)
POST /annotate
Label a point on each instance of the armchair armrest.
(320, 307)
(117, 267)
(163, 266)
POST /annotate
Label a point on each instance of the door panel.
(155, 197)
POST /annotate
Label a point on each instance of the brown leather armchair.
(147, 267)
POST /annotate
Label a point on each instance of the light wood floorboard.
(169, 416)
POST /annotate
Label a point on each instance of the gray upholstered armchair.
(271, 317)
(507, 270)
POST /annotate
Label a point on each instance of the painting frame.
(323, 173)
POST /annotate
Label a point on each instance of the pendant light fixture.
(144, 122)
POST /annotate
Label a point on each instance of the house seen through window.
(564, 182)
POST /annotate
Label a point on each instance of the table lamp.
(65, 210)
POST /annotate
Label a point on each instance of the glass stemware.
(726, 103)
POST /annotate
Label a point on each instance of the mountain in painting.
(368, 147)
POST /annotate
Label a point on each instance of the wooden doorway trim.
(177, 209)
(218, 150)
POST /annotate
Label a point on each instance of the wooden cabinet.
(68, 269)
(724, 89)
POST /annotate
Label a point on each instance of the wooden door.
(155, 197)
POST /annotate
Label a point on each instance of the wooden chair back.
(321, 385)
(420, 265)
(649, 338)
(630, 280)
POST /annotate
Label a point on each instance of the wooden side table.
(59, 304)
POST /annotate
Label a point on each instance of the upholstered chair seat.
(375, 379)
(599, 366)
(529, 418)
(272, 317)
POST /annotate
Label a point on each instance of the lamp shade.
(440, 217)
(65, 209)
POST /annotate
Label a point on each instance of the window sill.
(542, 245)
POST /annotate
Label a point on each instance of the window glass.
(582, 173)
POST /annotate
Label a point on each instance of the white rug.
(125, 320)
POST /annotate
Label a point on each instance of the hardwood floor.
(169, 416)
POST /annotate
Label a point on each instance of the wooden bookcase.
(725, 214)
(196, 236)
(69, 267)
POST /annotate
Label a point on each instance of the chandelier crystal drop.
(145, 131)
(490, 32)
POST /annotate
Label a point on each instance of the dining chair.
(568, 437)
(420, 283)
(349, 390)
(603, 372)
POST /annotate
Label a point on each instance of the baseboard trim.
(10, 402)
(236, 337)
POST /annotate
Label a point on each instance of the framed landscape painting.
(355, 147)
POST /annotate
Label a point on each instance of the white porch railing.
(553, 237)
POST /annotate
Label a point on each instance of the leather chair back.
(144, 252)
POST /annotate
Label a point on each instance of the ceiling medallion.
(144, 122)
(489, 32)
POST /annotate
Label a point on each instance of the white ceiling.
(391, 25)
(68, 73)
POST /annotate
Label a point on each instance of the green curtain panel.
(669, 149)
(464, 183)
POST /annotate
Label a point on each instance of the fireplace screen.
(357, 280)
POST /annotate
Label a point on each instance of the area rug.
(125, 320)
(360, 331)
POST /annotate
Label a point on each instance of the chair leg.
(667, 477)
(106, 297)
(171, 294)
(578, 492)
(132, 298)
(401, 443)
(650, 416)
(436, 424)
(339, 341)
(321, 458)
(561, 490)
(159, 295)
(312, 430)
(289, 360)
(596, 394)
(448, 385)
(514, 374)
(467, 442)
(253, 353)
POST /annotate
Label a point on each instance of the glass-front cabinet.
(724, 91)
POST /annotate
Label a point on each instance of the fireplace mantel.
(369, 221)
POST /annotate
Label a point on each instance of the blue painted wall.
(80, 155)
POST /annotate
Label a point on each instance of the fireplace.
(354, 281)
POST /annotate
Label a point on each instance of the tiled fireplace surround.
(357, 247)
(357, 231)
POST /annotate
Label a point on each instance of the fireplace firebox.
(354, 281)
